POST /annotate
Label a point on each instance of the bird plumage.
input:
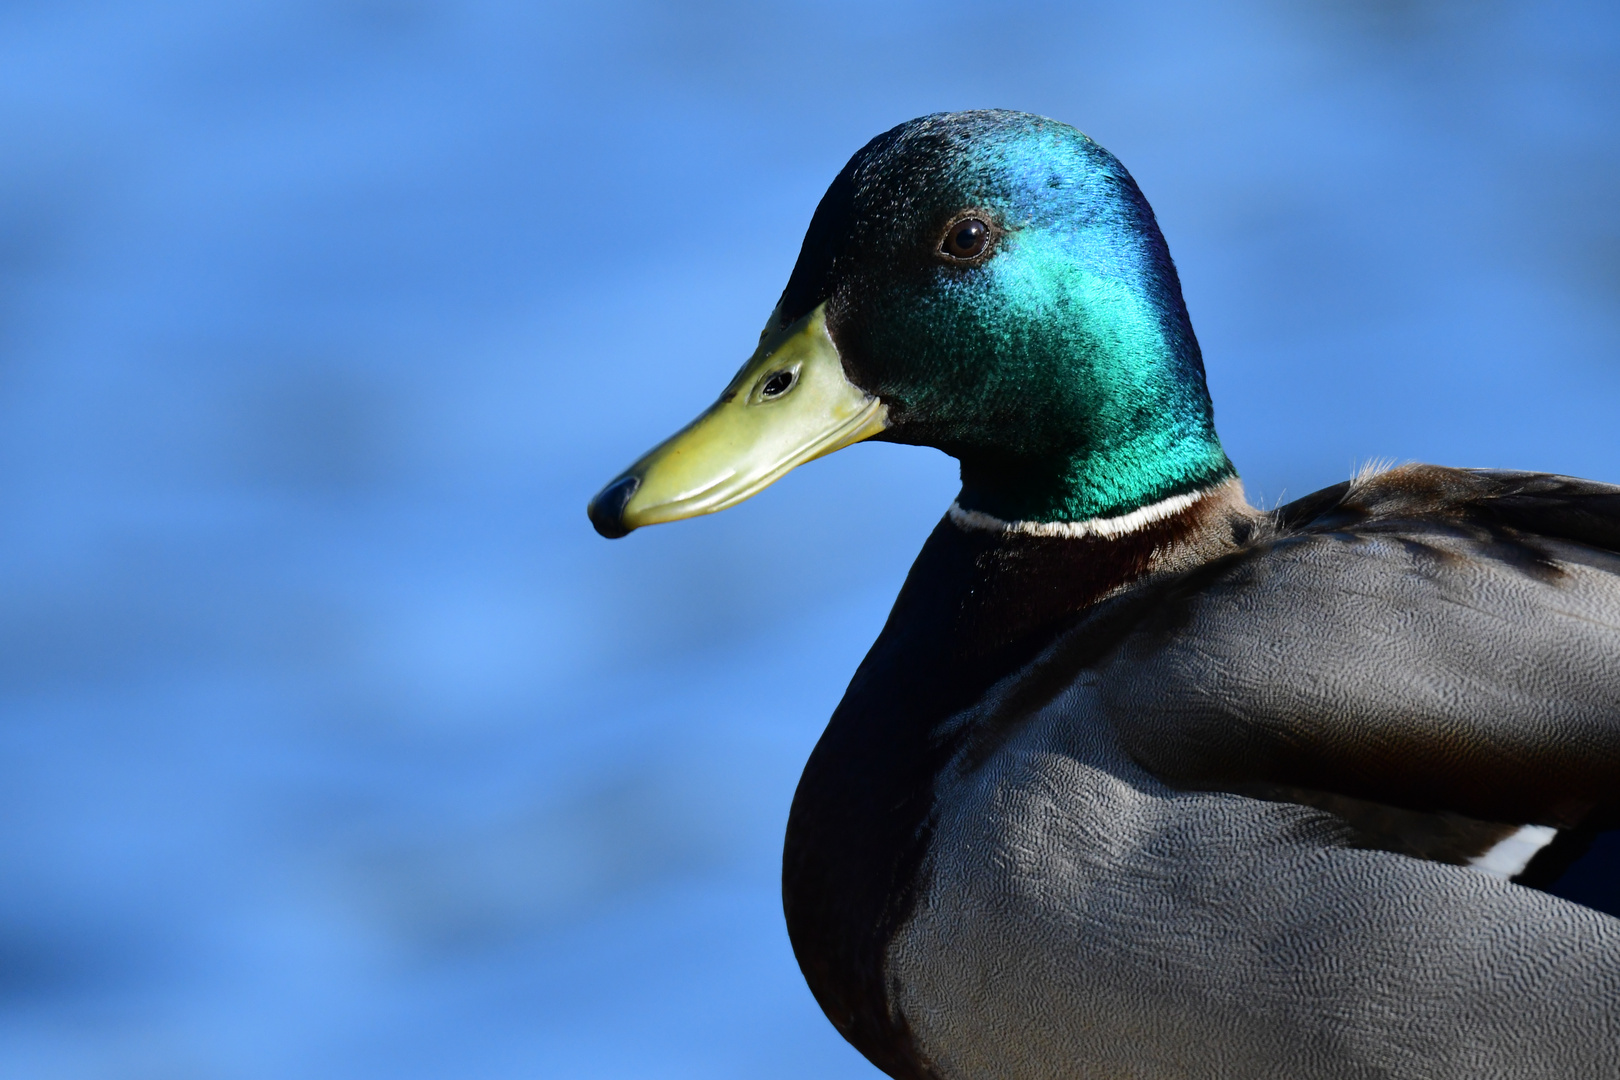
(1139, 780)
(1179, 754)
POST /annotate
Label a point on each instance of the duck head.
(989, 283)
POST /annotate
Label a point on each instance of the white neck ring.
(1106, 528)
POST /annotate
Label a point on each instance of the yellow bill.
(789, 404)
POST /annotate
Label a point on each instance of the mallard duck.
(1138, 780)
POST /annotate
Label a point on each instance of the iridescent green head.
(992, 284)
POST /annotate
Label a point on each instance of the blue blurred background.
(333, 743)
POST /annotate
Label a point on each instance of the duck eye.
(966, 239)
(778, 384)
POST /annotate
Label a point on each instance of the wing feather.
(1432, 639)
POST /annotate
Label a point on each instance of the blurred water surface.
(333, 743)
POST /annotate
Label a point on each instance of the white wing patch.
(1508, 858)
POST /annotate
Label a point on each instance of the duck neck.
(1024, 577)
(1115, 480)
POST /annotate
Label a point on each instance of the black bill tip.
(607, 509)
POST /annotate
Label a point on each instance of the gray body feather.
(1103, 897)
(1081, 919)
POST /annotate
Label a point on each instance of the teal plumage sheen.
(1063, 373)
